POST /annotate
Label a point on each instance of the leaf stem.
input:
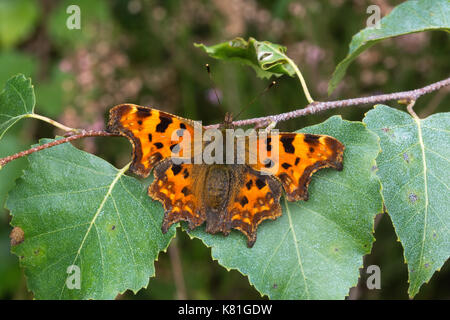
(409, 107)
(302, 80)
(52, 122)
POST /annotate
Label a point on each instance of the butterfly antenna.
(212, 80)
(254, 99)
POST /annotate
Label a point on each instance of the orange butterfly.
(239, 195)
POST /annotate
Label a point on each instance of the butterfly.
(237, 195)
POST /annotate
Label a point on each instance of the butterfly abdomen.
(216, 187)
(216, 194)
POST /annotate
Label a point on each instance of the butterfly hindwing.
(175, 187)
(155, 135)
(293, 157)
(256, 200)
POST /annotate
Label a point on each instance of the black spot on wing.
(268, 145)
(260, 183)
(182, 126)
(165, 121)
(158, 145)
(143, 112)
(176, 168)
(249, 184)
(268, 163)
(311, 138)
(287, 144)
(286, 165)
(243, 201)
(297, 160)
(186, 191)
(150, 137)
(185, 173)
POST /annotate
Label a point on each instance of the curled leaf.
(264, 57)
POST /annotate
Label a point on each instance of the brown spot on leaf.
(17, 236)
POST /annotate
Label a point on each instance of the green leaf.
(17, 20)
(264, 57)
(10, 145)
(77, 209)
(315, 249)
(414, 169)
(408, 17)
(16, 102)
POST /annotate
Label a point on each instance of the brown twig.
(317, 107)
(311, 108)
(81, 134)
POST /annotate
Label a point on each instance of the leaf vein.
(297, 249)
(120, 173)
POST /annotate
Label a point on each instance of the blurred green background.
(142, 52)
